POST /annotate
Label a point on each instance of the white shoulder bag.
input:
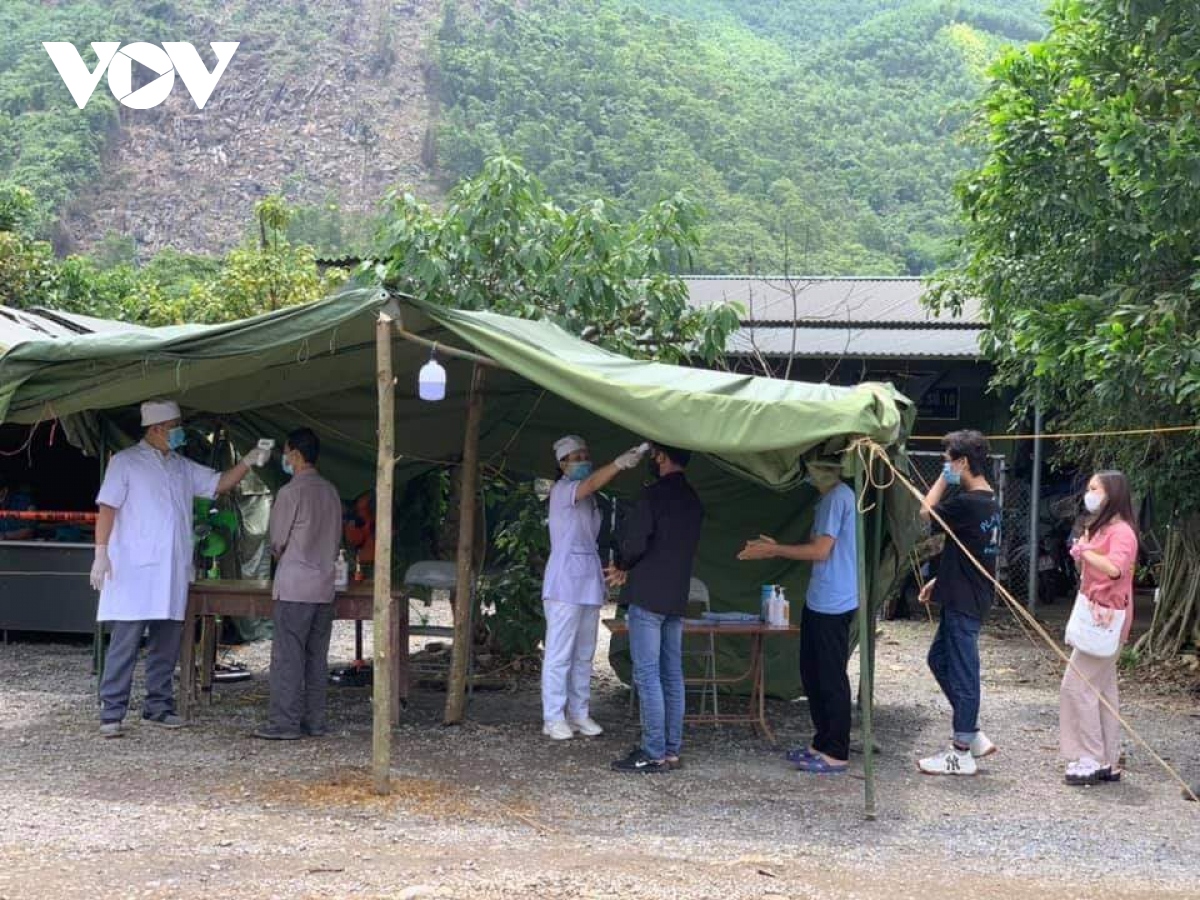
(1088, 636)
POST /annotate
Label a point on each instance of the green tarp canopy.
(314, 365)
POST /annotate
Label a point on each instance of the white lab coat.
(572, 593)
(573, 572)
(151, 543)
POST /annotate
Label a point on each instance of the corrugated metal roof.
(878, 302)
(89, 324)
(17, 326)
(857, 343)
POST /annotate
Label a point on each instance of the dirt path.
(491, 809)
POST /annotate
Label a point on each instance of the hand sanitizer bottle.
(341, 572)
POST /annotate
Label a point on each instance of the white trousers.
(567, 666)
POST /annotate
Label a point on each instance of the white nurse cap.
(156, 411)
(565, 446)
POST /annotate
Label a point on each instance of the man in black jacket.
(655, 572)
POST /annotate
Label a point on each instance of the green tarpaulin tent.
(314, 365)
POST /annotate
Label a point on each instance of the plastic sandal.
(796, 754)
(818, 765)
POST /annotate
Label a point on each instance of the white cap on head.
(156, 411)
(565, 446)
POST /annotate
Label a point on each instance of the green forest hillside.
(822, 136)
(324, 102)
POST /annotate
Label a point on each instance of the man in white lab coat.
(143, 560)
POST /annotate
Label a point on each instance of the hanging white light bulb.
(431, 381)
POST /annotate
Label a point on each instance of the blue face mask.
(950, 475)
(287, 467)
(577, 471)
(176, 437)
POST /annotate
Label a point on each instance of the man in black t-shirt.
(654, 570)
(972, 516)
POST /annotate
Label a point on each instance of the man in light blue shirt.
(829, 609)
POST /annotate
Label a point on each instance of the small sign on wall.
(939, 403)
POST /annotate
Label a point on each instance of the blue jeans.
(954, 661)
(656, 645)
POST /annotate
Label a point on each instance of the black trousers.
(824, 653)
(299, 664)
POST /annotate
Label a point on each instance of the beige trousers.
(1085, 727)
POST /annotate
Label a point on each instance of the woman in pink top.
(1089, 733)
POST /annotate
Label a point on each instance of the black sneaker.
(164, 719)
(275, 733)
(640, 762)
(319, 732)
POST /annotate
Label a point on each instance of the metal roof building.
(840, 318)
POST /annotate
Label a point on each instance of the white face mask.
(1092, 501)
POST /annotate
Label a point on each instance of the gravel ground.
(492, 809)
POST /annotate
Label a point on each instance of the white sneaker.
(587, 727)
(558, 731)
(111, 729)
(1083, 771)
(981, 746)
(951, 762)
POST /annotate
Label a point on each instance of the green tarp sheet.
(314, 365)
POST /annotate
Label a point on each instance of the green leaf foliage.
(266, 273)
(820, 136)
(502, 244)
(1082, 233)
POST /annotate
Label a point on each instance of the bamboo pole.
(1035, 508)
(464, 594)
(446, 350)
(865, 687)
(381, 703)
(875, 603)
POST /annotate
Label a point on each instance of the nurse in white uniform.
(573, 590)
(143, 560)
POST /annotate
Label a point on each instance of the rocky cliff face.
(340, 120)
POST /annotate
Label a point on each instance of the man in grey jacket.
(305, 534)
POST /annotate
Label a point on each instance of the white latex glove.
(101, 567)
(631, 457)
(257, 457)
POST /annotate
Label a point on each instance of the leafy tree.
(1082, 235)
(265, 274)
(501, 244)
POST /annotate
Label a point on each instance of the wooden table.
(756, 715)
(252, 599)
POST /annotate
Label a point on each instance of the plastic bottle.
(775, 607)
(358, 571)
(767, 592)
(785, 609)
(341, 572)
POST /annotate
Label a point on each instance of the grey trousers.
(162, 655)
(299, 665)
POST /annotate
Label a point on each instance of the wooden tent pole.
(381, 704)
(877, 585)
(464, 594)
(876, 604)
(865, 688)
